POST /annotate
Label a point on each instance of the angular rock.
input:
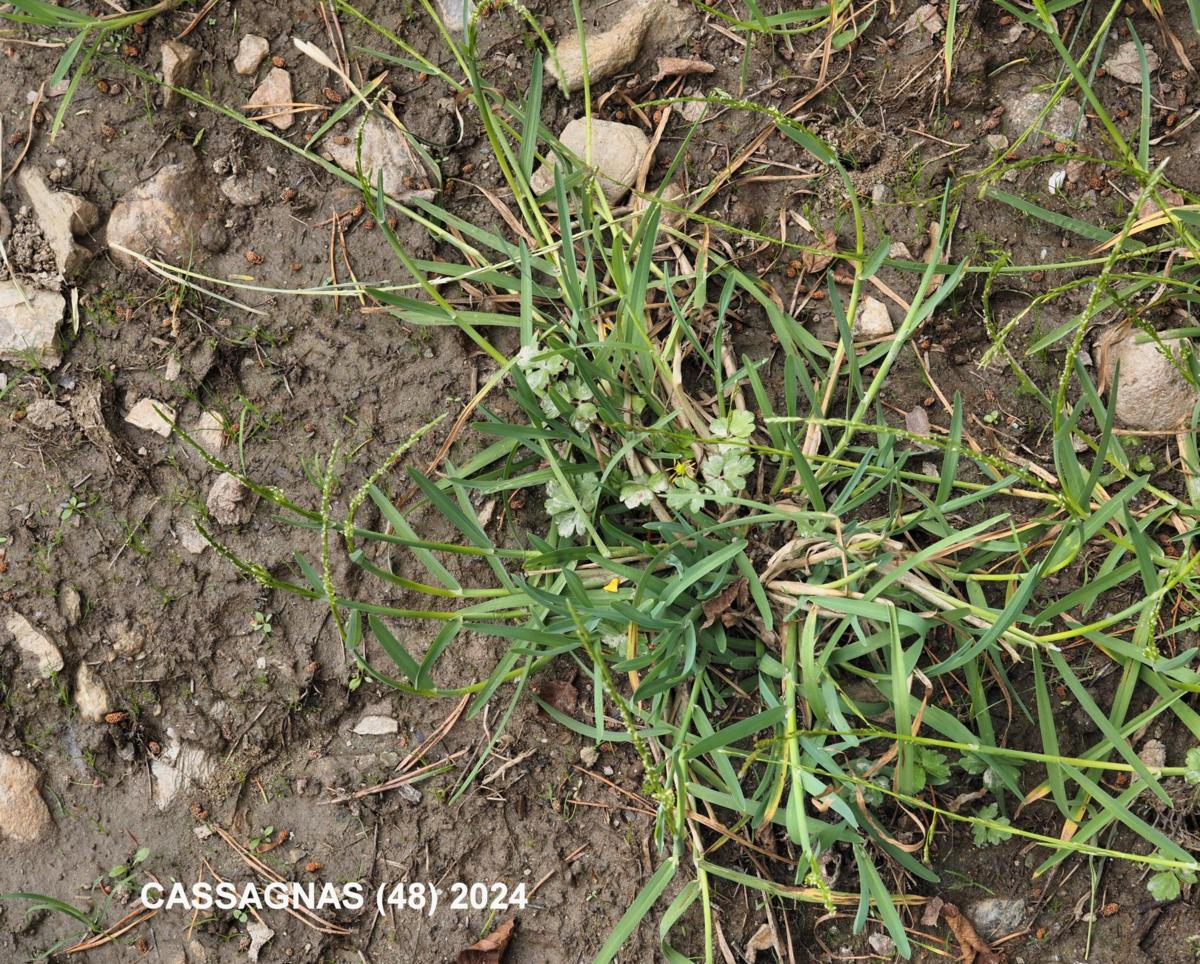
(607, 53)
(456, 13)
(1152, 395)
(209, 433)
(376, 726)
(260, 934)
(272, 99)
(873, 320)
(180, 765)
(70, 604)
(617, 154)
(252, 51)
(151, 415)
(29, 320)
(35, 646)
(91, 695)
(230, 502)
(1059, 123)
(47, 415)
(1126, 66)
(386, 150)
(190, 538)
(63, 217)
(179, 63)
(172, 216)
(24, 816)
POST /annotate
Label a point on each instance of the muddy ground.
(95, 550)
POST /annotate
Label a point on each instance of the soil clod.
(230, 502)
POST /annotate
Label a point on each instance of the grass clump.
(799, 615)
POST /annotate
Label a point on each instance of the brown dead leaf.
(813, 261)
(491, 949)
(719, 604)
(679, 66)
(975, 949)
(561, 694)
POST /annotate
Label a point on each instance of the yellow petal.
(612, 584)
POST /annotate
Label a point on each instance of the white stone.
(190, 538)
(70, 604)
(1126, 66)
(376, 726)
(29, 320)
(926, 19)
(209, 433)
(179, 766)
(607, 53)
(1059, 123)
(91, 695)
(172, 215)
(617, 153)
(63, 217)
(127, 639)
(259, 934)
(252, 51)
(153, 416)
(377, 147)
(273, 99)
(873, 320)
(35, 645)
(1151, 393)
(456, 13)
(46, 414)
